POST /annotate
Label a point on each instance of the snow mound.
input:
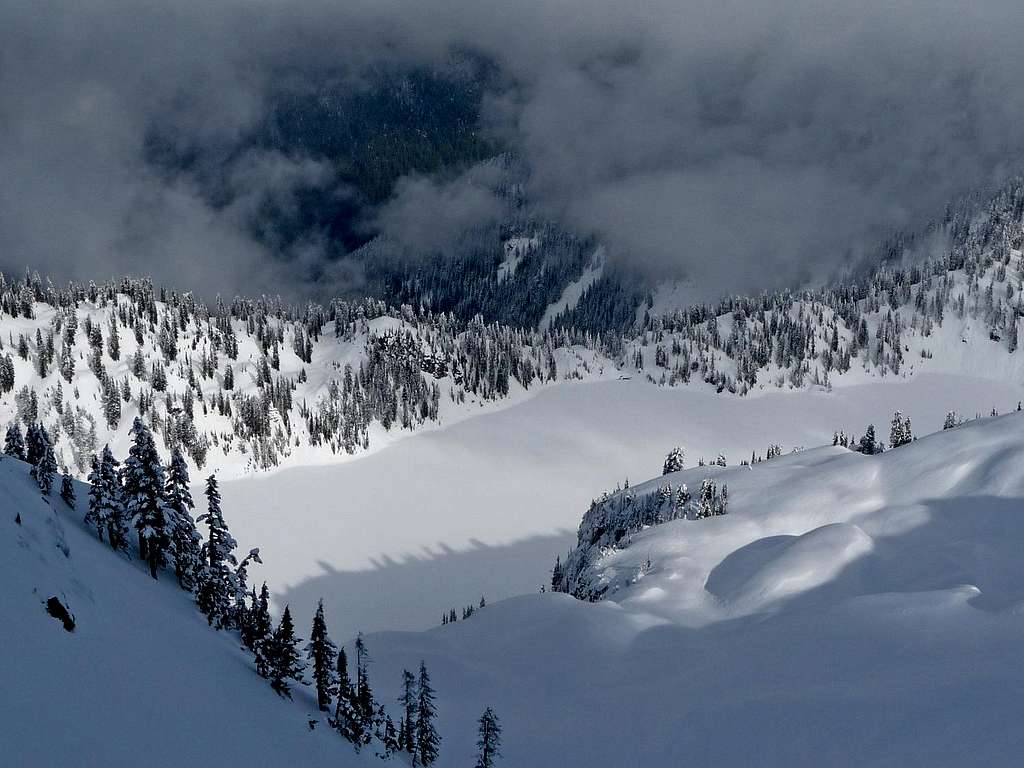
(776, 567)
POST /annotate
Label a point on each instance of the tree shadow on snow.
(411, 593)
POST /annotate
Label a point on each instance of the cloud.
(740, 144)
(428, 215)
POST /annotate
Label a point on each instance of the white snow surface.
(849, 611)
(485, 505)
(142, 680)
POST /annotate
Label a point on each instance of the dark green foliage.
(489, 739)
(282, 655)
(323, 654)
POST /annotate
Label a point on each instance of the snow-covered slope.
(142, 679)
(849, 610)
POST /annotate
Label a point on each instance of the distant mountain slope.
(256, 383)
(142, 679)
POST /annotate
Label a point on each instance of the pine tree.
(67, 490)
(867, 444)
(283, 662)
(384, 730)
(428, 742)
(346, 716)
(322, 653)
(14, 443)
(216, 581)
(363, 700)
(33, 443)
(674, 461)
(106, 501)
(489, 742)
(406, 730)
(259, 630)
(46, 467)
(144, 496)
(185, 541)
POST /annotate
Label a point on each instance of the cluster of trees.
(155, 502)
(184, 368)
(614, 517)
(452, 615)
(900, 433)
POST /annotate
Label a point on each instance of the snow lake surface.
(484, 506)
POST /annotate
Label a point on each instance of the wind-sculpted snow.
(848, 610)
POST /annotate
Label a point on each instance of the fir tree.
(46, 467)
(216, 581)
(674, 461)
(322, 653)
(489, 740)
(258, 631)
(363, 699)
(283, 662)
(428, 742)
(33, 443)
(67, 490)
(406, 729)
(144, 496)
(346, 716)
(868, 444)
(185, 541)
(106, 502)
(14, 443)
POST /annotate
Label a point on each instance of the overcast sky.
(742, 144)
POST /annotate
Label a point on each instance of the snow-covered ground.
(392, 539)
(850, 610)
(142, 680)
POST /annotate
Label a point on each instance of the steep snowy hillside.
(142, 679)
(848, 610)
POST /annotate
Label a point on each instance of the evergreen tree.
(346, 716)
(67, 490)
(363, 700)
(106, 502)
(216, 581)
(143, 481)
(406, 729)
(185, 541)
(322, 653)
(258, 631)
(283, 662)
(868, 443)
(674, 461)
(489, 741)
(33, 443)
(14, 443)
(44, 470)
(428, 742)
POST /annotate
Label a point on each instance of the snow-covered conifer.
(185, 541)
(14, 443)
(488, 742)
(428, 742)
(283, 662)
(216, 590)
(322, 653)
(67, 490)
(674, 462)
(143, 482)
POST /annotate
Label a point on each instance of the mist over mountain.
(254, 146)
